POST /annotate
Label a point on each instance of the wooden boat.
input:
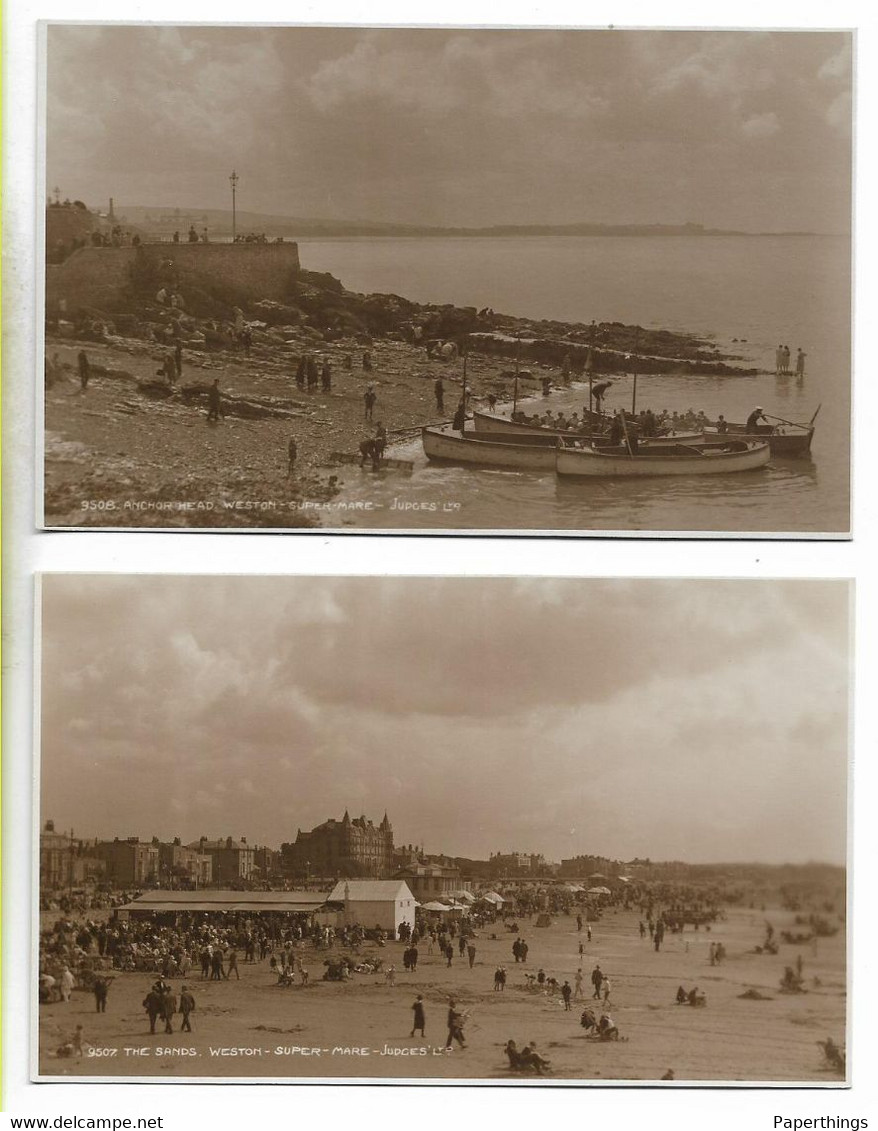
(502, 425)
(530, 453)
(783, 440)
(684, 459)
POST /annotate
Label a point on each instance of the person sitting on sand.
(682, 996)
(532, 1059)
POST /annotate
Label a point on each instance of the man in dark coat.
(597, 978)
(187, 1005)
(153, 1004)
(169, 1008)
(455, 1026)
(101, 988)
(420, 1019)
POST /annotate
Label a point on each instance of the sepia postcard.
(442, 829)
(447, 280)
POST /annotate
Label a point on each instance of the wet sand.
(731, 1039)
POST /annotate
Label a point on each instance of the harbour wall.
(106, 277)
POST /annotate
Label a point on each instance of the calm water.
(791, 289)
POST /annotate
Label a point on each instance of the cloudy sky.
(688, 720)
(458, 127)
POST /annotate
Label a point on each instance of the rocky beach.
(133, 449)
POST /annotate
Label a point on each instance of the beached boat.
(502, 426)
(530, 453)
(684, 459)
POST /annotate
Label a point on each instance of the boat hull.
(502, 426)
(793, 443)
(689, 460)
(443, 445)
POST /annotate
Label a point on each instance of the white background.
(26, 551)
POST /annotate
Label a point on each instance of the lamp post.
(233, 181)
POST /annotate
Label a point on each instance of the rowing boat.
(794, 440)
(684, 459)
(532, 453)
(502, 425)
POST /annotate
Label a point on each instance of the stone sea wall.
(103, 277)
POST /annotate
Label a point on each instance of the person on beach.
(214, 402)
(101, 988)
(567, 994)
(439, 390)
(233, 965)
(459, 417)
(66, 984)
(577, 981)
(800, 363)
(369, 399)
(786, 359)
(753, 419)
(152, 1003)
(471, 954)
(84, 369)
(455, 1026)
(380, 439)
(420, 1020)
(778, 361)
(187, 1005)
(596, 978)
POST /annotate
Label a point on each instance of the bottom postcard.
(442, 829)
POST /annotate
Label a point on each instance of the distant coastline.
(164, 221)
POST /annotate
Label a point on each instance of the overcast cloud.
(695, 720)
(458, 127)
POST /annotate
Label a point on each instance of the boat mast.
(463, 398)
(589, 361)
(634, 391)
(517, 364)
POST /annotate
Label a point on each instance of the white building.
(375, 903)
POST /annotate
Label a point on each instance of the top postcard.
(449, 281)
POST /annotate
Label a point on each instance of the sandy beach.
(360, 1028)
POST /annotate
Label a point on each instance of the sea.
(745, 294)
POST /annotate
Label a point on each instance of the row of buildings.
(352, 847)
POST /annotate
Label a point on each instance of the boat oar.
(791, 423)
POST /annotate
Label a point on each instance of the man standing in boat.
(598, 392)
(753, 420)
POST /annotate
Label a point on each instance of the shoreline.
(131, 451)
